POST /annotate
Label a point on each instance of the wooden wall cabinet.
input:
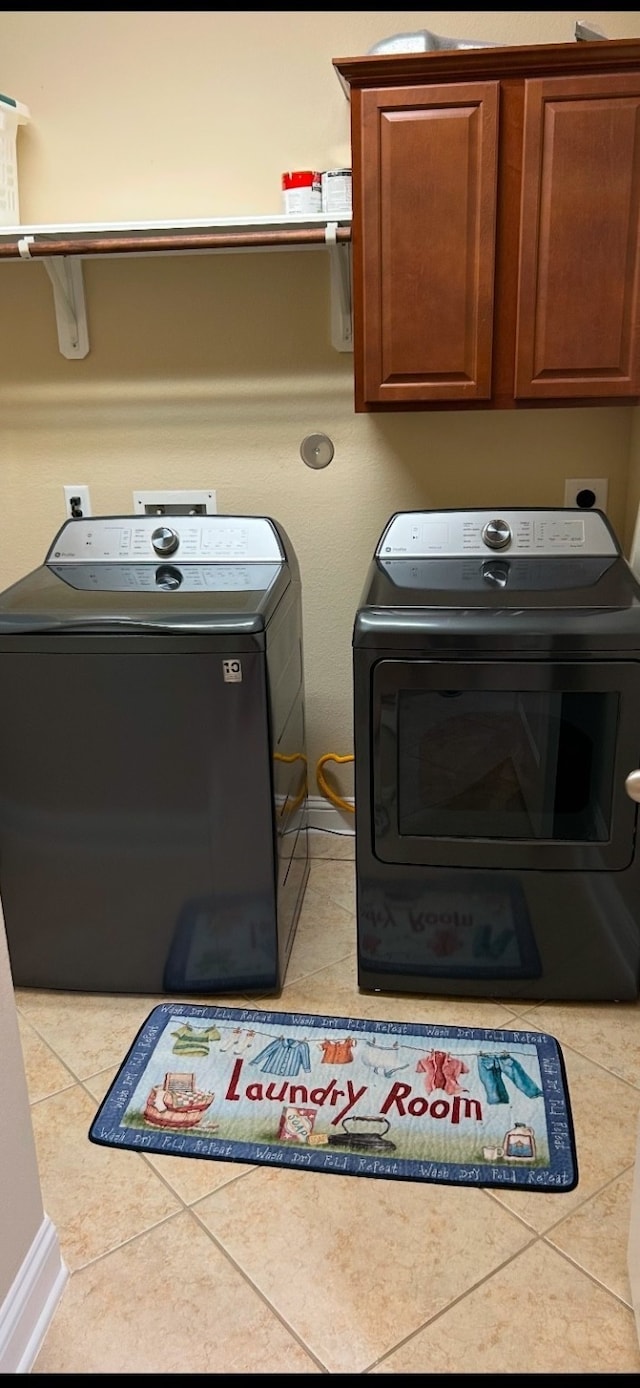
(496, 226)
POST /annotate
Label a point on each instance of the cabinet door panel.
(578, 329)
(427, 229)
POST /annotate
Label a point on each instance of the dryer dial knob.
(497, 534)
(495, 572)
(164, 540)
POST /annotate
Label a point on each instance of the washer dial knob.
(497, 534)
(164, 540)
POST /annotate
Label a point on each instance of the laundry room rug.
(457, 1105)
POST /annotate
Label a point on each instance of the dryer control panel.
(459, 534)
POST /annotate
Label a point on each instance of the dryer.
(153, 788)
(496, 663)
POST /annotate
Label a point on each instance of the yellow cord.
(332, 795)
(292, 805)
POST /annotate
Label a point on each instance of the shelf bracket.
(341, 301)
(65, 273)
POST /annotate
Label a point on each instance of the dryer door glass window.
(493, 763)
(506, 765)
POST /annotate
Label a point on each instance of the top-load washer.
(496, 661)
(153, 788)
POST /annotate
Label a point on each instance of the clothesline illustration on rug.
(246, 1037)
(287, 1056)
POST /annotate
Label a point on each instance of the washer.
(153, 788)
(496, 662)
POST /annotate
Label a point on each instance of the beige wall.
(208, 371)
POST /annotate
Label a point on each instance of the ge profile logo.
(232, 671)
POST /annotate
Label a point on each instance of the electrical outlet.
(77, 502)
(180, 503)
(589, 493)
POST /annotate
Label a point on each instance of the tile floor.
(179, 1265)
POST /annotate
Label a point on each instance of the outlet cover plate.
(156, 502)
(81, 492)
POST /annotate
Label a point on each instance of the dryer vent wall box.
(174, 503)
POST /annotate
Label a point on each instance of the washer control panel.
(145, 539)
(456, 534)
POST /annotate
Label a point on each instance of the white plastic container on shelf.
(12, 114)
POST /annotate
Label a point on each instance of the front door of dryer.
(510, 764)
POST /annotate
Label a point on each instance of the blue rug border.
(560, 1176)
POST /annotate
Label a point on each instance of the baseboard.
(30, 1304)
(330, 818)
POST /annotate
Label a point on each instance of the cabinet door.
(578, 329)
(425, 162)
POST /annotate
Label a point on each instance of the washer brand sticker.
(232, 671)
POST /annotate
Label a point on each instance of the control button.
(495, 573)
(164, 540)
(497, 534)
(168, 578)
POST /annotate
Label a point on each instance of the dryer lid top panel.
(534, 531)
(511, 589)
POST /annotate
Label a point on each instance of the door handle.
(632, 785)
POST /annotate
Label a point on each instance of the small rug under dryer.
(457, 1105)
